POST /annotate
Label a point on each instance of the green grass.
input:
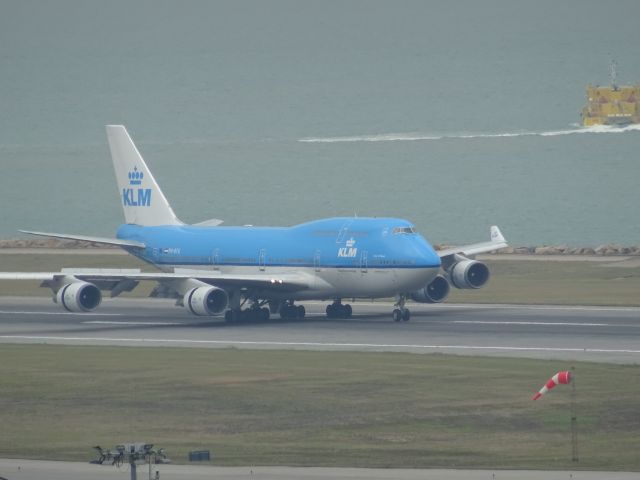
(512, 281)
(557, 283)
(315, 408)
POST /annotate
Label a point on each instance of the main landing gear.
(338, 310)
(289, 311)
(257, 312)
(400, 312)
(252, 314)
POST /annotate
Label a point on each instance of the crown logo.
(351, 242)
(135, 177)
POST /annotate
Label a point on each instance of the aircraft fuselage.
(346, 257)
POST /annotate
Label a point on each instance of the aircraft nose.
(429, 257)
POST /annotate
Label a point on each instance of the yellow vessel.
(614, 105)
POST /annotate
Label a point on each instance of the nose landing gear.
(400, 312)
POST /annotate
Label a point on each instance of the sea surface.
(456, 115)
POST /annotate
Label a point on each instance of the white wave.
(412, 137)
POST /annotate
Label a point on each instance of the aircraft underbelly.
(330, 283)
(376, 282)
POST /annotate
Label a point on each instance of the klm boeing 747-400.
(253, 272)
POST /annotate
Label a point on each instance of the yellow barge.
(614, 105)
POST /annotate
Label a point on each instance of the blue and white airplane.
(252, 272)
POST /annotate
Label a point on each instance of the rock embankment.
(49, 243)
(602, 250)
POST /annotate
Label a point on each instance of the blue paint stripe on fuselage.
(329, 243)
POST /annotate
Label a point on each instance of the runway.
(599, 334)
(44, 470)
(40, 470)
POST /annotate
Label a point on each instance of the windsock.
(563, 378)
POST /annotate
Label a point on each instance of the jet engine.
(79, 296)
(206, 300)
(468, 274)
(435, 292)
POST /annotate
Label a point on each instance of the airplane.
(247, 272)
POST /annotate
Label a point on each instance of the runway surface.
(600, 334)
(42, 470)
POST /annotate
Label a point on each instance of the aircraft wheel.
(264, 314)
(287, 312)
(397, 315)
(330, 311)
(300, 311)
(406, 315)
(228, 316)
(347, 311)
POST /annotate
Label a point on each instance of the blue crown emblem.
(135, 177)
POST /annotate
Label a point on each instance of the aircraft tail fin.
(142, 200)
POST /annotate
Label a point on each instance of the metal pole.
(574, 418)
(132, 462)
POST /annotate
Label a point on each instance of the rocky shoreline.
(601, 250)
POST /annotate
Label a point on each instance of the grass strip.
(253, 407)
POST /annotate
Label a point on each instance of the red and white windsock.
(563, 378)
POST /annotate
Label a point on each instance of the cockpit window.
(404, 231)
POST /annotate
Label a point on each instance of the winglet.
(496, 235)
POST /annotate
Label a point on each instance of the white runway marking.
(312, 344)
(572, 324)
(113, 322)
(17, 312)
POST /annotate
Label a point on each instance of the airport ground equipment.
(134, 454)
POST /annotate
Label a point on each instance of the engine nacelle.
(435, 292)
(469, 274)
(206, 300)
(79, 296)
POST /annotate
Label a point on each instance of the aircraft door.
(215, 259)
(364, 262)
(316, 261)
(262, 259)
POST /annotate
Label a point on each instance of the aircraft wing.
(111, 278)
(496, 243)
(85, 238)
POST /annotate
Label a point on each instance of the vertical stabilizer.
(142, 200)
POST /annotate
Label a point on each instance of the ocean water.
(455, 115)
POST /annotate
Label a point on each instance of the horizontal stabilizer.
(213, 222)
(85, 238)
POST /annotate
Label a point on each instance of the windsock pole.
(574, 418)
(564, 378)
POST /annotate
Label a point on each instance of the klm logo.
(139, 197)
(136, 197)
(349, 251)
